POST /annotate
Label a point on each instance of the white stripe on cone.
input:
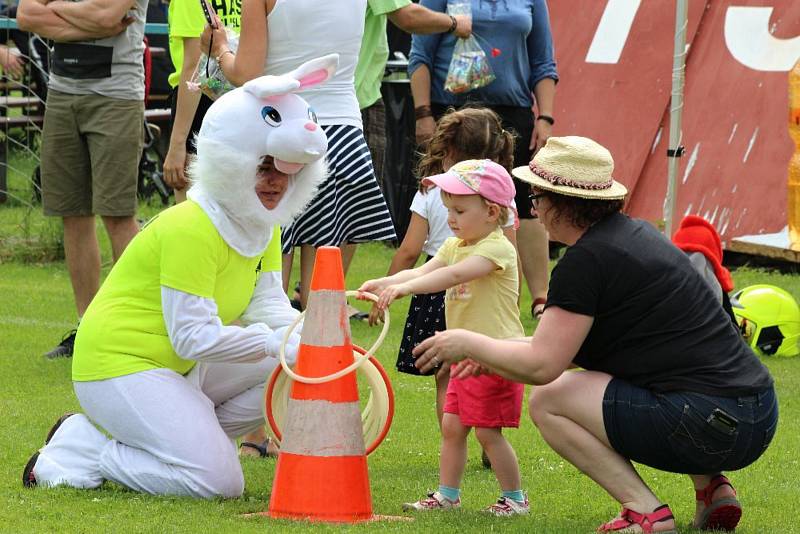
(323, 428)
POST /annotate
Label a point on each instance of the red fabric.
(486, 401)
(696, 234)
(148, 69)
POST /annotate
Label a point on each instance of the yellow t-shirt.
(186, 20)
(487, 305)
(123, 330)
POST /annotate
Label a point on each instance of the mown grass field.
(36, 308)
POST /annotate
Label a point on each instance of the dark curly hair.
(581, 212)
(469, 133)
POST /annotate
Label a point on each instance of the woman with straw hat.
(668, 381)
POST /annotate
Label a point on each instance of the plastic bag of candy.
(208, 76)
(469, 68)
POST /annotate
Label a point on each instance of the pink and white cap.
(481, 177)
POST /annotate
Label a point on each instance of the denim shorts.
(686, 432)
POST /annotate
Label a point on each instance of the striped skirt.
(349, 206)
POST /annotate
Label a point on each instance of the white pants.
(170, 434)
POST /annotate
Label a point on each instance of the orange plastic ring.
(390, 393)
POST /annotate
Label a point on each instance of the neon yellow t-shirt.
(123, 330)
(186, 20)
(487, 305)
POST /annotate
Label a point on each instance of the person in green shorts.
(93, 130)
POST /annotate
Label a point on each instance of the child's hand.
(375, 315)
(467, 368)
(375, 287)
(391, 293)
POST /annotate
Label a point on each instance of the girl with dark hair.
(471, 133)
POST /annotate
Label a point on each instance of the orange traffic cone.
(322, 468)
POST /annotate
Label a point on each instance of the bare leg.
(534, 256)
(502, 456)
(454, 451)
(83, 259)
(569, 415)
(286, 270)
(307, 256)
(120, 230)
(348, 251)
(442, 379)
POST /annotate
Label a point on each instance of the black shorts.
(685, 432)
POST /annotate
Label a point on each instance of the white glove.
(273, 344)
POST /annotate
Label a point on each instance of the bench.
(20, 101)
(150, 115)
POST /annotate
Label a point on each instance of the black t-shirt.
(657, 324)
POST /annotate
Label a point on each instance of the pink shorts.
(487, 401)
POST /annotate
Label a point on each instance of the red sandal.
(627, 518)
(722, 514)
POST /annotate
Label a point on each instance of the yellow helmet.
(769, 319)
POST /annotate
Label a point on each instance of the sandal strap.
(629, 517)
(261, 448)
(706, 493)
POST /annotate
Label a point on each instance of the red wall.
(735, 117)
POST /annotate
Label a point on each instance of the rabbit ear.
(316, 71)
(265, 86)
(306, 75)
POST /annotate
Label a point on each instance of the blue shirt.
(520, 29)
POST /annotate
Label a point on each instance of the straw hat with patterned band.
(573, 166)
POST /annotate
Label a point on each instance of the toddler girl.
(478, 270)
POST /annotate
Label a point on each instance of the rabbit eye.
(312, 115)
(271, 116)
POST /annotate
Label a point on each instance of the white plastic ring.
(357, 362)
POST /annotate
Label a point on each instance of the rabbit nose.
(310, 126)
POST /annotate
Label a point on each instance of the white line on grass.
(27, 321)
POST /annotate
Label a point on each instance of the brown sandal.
(262, 448)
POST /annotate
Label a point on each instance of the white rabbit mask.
(262, 118)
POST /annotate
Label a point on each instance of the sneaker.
(434, 501)
(506, 507)
(28, 477)
(63, 349)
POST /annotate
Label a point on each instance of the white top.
(430, 207)
(301, 30)
(196, 332)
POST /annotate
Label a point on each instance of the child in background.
(700, 241)
(470, 133)
(478, 269)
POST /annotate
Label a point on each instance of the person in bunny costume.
(158, 362)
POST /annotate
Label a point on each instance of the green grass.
(36, 307)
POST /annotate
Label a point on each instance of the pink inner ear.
(313, 78)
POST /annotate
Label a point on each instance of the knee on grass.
(217, 482)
